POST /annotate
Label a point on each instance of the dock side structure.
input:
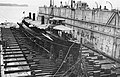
(99, 29)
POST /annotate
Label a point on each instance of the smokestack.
(33, 16)
(29, 15)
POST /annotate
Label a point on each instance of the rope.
(72, 67)
(64, 59)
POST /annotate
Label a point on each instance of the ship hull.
(55, 46)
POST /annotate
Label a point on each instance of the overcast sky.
(91, 3)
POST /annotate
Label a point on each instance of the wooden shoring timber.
(15, 71)
(43, 74)
(27, 61)
(1, 62)
(93, 30)
(96, 30)
(14, 53)
(14, 61)
(84, 21)
(13, 57)
(16, 65)
(97, 51)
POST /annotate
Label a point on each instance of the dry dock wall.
(98, 27)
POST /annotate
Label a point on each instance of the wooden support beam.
(108, 63)
(13, 57)
(7, 66)
(27, 76)
(14, 61)
(84, 21)
(14, 54)
(100, 52)
(42, 74)
(13, 44)
(12, 48)
(94, 30)
(15, 71)
(1, 62)
(24, 55)
(15, 50)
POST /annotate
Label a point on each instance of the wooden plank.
(14, 54)
(102, 24)
(97, 51)
(13, 57)
(1, 62)
(15, 50)
(14, 61)
(27, 76)
(14, 71)
(7, 66)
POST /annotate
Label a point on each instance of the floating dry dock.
(97, 27)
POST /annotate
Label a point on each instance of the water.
(15, 14)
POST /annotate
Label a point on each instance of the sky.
(91, 3)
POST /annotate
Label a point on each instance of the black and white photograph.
(59, 38)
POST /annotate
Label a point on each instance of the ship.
(61, 47)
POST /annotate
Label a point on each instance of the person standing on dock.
(23, 14)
